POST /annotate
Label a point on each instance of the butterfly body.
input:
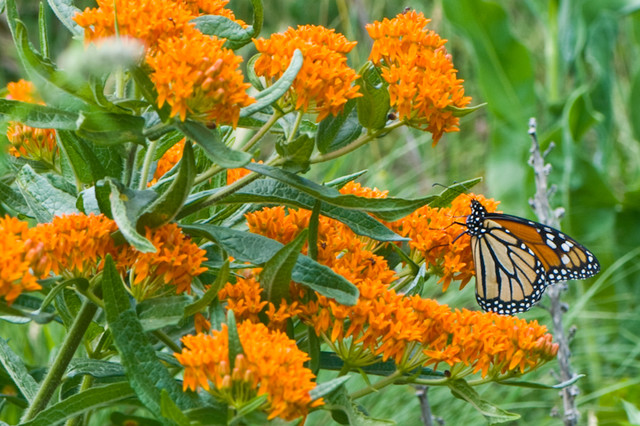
(516, 259)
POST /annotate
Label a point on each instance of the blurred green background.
(575, 66)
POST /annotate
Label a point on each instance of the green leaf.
(461, 112)
(323, 389)
(40, 116)
(160, 312)
(388, 209)
(15, 368)
(210, 142)
(633, 414)
(296, 153)
(76, 405)
(273, 191)
(251, 73)
(124, 210)
(374, 104)
(337, 132)
(461, 389)
(168, 204)
(95, 368)
(146, 374)
(276, 275)
(65, 11)
(343, 180)
(211, 294)
(13, 199)
(171, 411)
(86, 165)
(445, 198)
(345, 411)
(254, 248)
(533, 385)
(44, 199)
(105, 128)
(235, 345)
(258, 17)
(223, 27)
(279, 88)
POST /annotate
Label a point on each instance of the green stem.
(148, 159)
(262, 131)
(295, 127)
(67, 350)
(377, 386)
(552, 54)
(362, 140)
(164, 338)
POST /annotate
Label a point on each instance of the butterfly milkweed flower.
(271, 364)
(30, 142)
(16, 260)
(192, 72)
(324, 84)
(73, 245)
(423, 85)
(176, 262)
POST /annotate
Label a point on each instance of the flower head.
(73, 245)
(30, 142)
(423, 84)
(176, 261)
(271, 365)
(324, 83)
(194, 73)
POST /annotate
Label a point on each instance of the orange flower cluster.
(176, 261)
(169, 159)
(423, 84)
(76, 245)
(195, 73)
(30, 142)
(410, 330)
(15, 260)
(324, 82)
(73, 245)
(436, 236)
(271, 365)
(192, 72)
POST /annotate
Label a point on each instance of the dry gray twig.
(547, 216)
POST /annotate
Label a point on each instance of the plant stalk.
(68, 349)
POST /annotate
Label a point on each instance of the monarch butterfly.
(516, 259)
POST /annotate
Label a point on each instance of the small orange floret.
(325, 81)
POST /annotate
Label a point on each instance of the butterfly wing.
(562, 257)
(510, 277)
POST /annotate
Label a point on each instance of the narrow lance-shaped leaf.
(146, 374)
(211, 293)
(235, 345)
(374, 105)
(167, 205)
(278, 89)
(461, 389)
(125, 221)
(276, 275)
(257, 249)
(210, 142)
(40, 116)
(76, 405)
(15, 368)
(337, 132)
